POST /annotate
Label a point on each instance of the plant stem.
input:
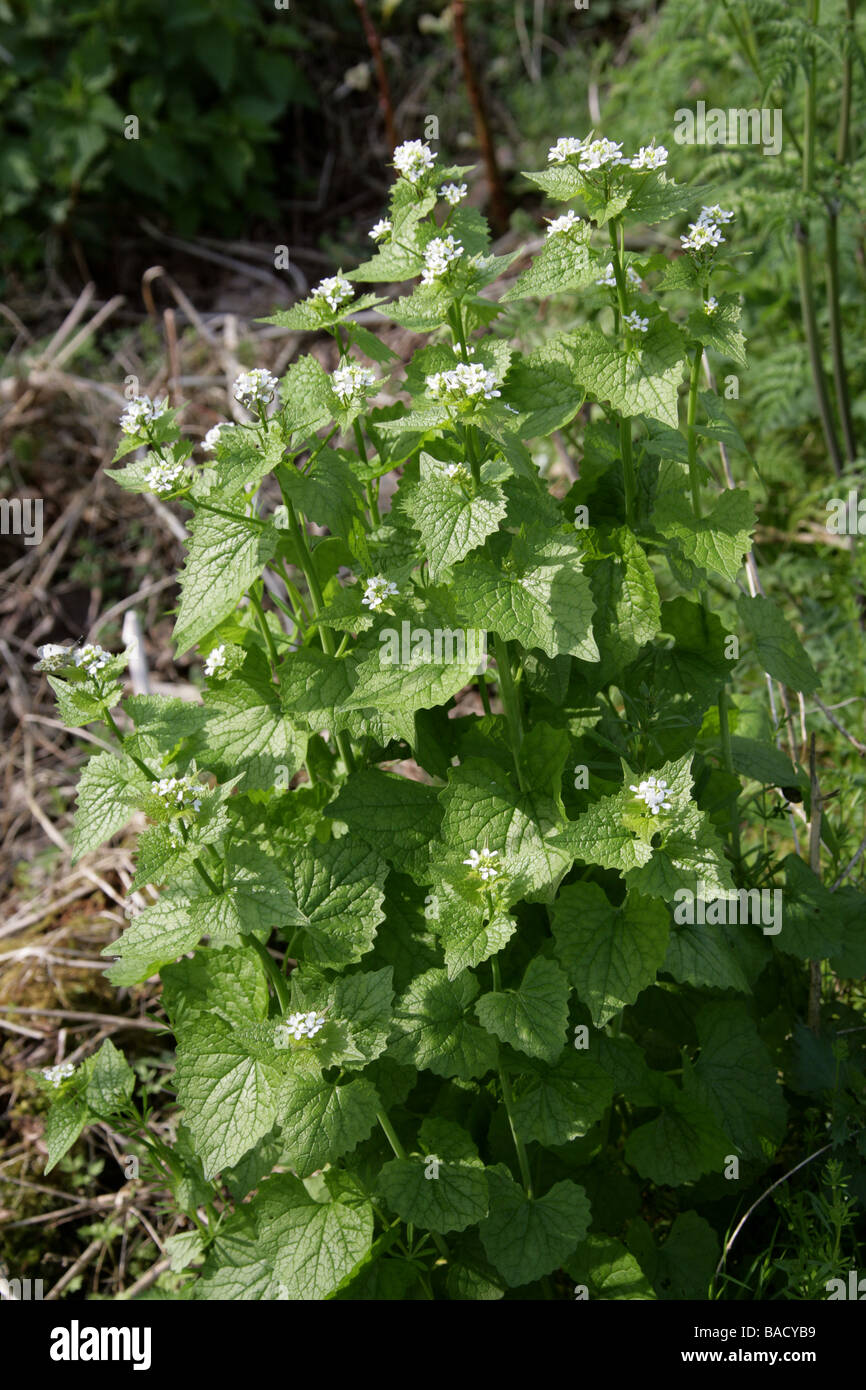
(265, 630)
(274, 974)
(400, 1152)
(694, 474)
(810, 325)
(837, 353)
(325, 635)
(727, 755)
(508, 1101)
(617, 239)
(510, 701)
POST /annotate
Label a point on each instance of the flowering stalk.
(508, 1101)
(625, 442)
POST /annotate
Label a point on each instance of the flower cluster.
(255, 388)
(377, 590)
(635, 322)
(380, 229)
(334, 290)
(91, 658)
(215, 661)
(654, 794)
(214, 434)
(55, 1076)
(711, 305)
(177, 793)
(438, 255)
(705, 232)
(412, 159)
(481, 861)
(603, 154)
(164, 476)
(298, 1026)
(141, 412)
(609, 277)
(454, 193)
(455, 470)
(563, 224)
(463, 382)
(350, 379)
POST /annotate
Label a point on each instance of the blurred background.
(171, 171)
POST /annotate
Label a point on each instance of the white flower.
(140, 412)
(711, 305)
(177, 793)
(57, 1075)
(350, 379)
(255, 388)
(635, 322)
(335, 290)
(454, 193)
(91, 658)
(701, 235)
(632, 276)
(563, 224)
(463, 382)
(298, 1026)
(650, 157)
(481, 862)
(654, 794)
(597, 153)
(608, 278)
(412, 159)
(377, 590)
(438, 255)
(715, 214)
(470, 349)
(215, 661)
(52, 657)
(214, 434)
(164, 476)
(380, 229)
(565, 146)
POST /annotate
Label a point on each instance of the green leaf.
(683, 1266)
(609, 953)
(542, 388)
(554, 1105)
(321, 1121)
(450, 520)
(313, 1245)
(718, 330)
(602, 836)
(228, 982)
(336, 899)
(394, 815)
(228, 1086)
(246, 730)
(435, 1032)
(563, 263)
(608, 1271)
(106, 794)
(779, 650)
(736, 1077)
(253, 897)
(64, 1122)
(533, 1017)
(442, 1195)
(681, 1144)
(224, 558)
(528, 1237)
(535, 595)
(108, 1081)
(330, 495)
(715, 542)
(638, 381)
(704, 955)
(158, 934)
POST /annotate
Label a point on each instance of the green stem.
(694, 475)
(510, 701)
(281, 988)
(837, 352)
(400, 1152)
(727, 756)
(847, 84)
(810, 326)
(508, 1101)
(372, 488)
(325, 634)
(616, 233)
(265, 631)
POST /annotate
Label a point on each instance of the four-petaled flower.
(298, 1026)
(56, 1076)
(650, 157)
(412, 159)
(164, 476)
(140, 412)
(654, 793)
(350, 379)
(255, 388)
(481, 862)
(563, 224)
(463, 382)
(178, 793)
(635, 322)
(215, 661)
(565, 146)
(214, 434)
(380, 229)
(334, 290)
(438, 255)
(91, 658)
(377, 590)
(454, 193)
